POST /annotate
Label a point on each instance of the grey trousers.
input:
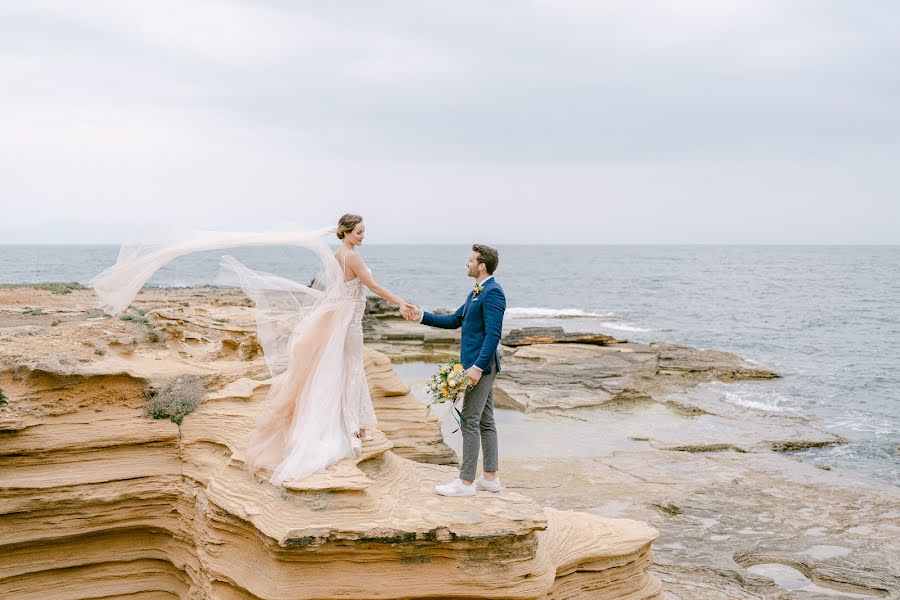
(478, 428)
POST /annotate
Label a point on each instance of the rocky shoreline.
(99, 500)
(623, 433)
(642, 431)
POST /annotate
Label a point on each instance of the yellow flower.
(445, 393)
(457, 367)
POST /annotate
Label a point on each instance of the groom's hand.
(474, 374)
(409, 311)
(416, 314)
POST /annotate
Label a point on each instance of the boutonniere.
(478, 289)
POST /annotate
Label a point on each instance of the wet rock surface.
(721, 513)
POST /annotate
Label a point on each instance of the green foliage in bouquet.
(449, 384)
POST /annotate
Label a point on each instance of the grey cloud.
(180, 101)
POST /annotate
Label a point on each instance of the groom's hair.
(488, 256)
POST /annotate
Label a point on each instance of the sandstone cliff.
(98, 500)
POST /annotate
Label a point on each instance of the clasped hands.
(410, 312)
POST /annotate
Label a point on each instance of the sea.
(827, 318)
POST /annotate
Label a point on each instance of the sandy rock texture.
(97, 500)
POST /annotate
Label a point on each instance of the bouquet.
(449, 384)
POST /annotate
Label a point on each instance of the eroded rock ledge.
(582, 376)
(98, 500)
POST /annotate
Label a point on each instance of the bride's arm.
(355, 262)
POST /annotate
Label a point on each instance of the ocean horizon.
(826, 317)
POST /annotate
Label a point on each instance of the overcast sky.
(678, 121)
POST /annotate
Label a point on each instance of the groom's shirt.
(481, 319)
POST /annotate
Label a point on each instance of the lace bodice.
(354, 288)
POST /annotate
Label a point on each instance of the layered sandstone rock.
(528, 336)
(401, 416)
(98, 500)
(547, 376)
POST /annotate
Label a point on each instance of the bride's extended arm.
(355, 262)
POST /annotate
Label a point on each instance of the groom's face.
(473, 265)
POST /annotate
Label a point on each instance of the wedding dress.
(311, 338)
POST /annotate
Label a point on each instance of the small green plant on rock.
(2, 398)
(55, 287)
(135, 318)
(138, 315)
(62, 287)
(176, 398)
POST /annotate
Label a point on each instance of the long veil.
(302, 330)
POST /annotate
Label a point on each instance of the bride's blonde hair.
(346, 224)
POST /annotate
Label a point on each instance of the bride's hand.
(408, 311)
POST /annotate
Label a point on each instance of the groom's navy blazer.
(481, 318)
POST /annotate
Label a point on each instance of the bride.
(318, 409)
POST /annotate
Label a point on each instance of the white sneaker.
(488, 485)
(456, 488)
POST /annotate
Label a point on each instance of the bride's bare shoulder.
(354, 258)
(350, 259)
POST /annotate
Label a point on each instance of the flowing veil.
(300, 428)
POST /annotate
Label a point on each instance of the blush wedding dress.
(311, 337)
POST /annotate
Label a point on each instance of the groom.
(481, 318)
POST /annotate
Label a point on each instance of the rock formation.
(414, 434)
(528, 336)
(653, 432)
(543, 376)
(98, 500)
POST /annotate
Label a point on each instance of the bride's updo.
(346, 224)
